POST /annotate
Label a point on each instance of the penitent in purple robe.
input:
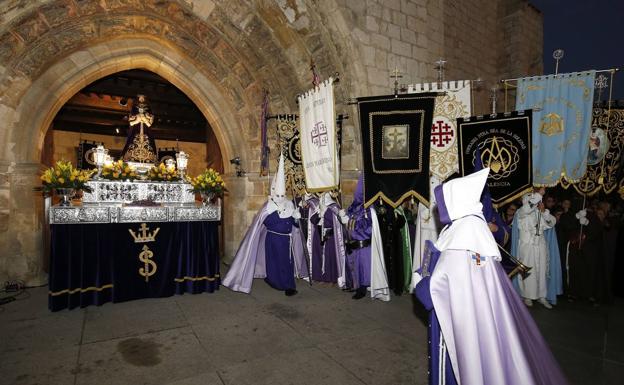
(324, 259)
(489, 334)
(360, 228)
(440, 368)
(278, 252)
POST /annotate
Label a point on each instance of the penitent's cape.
(490, 336)
(249, 261)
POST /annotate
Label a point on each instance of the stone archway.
(221, 58)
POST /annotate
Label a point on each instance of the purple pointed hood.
(358, 197)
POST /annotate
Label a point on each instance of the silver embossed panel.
(126, 192)
(132, 214)
(80, 214)
(142, 214)
(204, 213)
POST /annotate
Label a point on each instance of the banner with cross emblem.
(450, 106)
(503, 142)
(395, 147)
(318, 138)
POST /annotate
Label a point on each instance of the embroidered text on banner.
(450, 106)
(561, 124)
(318, 138)
(504, 144)
(395, 146)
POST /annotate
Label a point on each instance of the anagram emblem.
(319, 134)
(500, 155)
(149, 267)
(441, 134)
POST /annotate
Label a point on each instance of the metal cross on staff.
(439, 66)
(395, 75)
(557, 55)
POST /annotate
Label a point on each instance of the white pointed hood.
(278, 185)
(277, 199)
(459, 206)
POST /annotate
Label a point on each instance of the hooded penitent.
(249, 261)
(328, 249)
(359, 229)
(483, 325)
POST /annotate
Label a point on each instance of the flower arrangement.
(208, 182)
(118, 170)
(64, 175)
(163, 173)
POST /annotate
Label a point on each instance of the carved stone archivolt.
(233, 48)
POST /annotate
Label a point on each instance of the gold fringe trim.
(562, 177)
(204, 278)
(395, 204)
(81, 290)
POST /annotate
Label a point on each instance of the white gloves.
(582, 217)
(344, 218)
(296, 214)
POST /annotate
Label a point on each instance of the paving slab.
(381, 357)
(51, 366)
(243, 338)
(152, 358)
(307, 366)
(115, 320)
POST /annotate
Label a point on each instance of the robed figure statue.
(140, 146)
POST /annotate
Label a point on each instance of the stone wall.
(222, 54)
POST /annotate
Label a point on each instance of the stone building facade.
(223, 54)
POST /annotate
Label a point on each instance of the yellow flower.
(115, 174)
(72, 178)
(58, 173)
(61, 180)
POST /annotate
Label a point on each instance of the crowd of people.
(587, 239)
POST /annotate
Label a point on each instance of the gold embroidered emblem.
(551, 124)
(149, 268)
(500, 155)
(144, 236)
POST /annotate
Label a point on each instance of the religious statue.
(140, 146)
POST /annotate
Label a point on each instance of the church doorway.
(98, 114)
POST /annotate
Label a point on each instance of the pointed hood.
(358, 197)
(461, 197)
(278, 186)
(460, 207)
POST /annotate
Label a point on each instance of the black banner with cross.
(504, 143)
(395, 146)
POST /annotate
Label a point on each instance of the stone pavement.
(320, 336)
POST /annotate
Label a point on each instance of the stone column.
(22, 224)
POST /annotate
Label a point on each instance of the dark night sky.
(591, 32)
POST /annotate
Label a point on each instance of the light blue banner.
(561, 124)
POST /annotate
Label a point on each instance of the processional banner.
(395, 133)
(606, 142)
(290, 146)
(562, 113)
(318, 138)
(453, 104)
(503, 141)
